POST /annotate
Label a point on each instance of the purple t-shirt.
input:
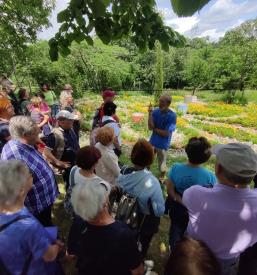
(225, 218)
(20, 239)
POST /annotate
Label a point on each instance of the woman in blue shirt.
(140, 183)
(181, 177)
(25, 246)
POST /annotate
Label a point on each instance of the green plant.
(231, 97)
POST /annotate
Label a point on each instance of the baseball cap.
(66, 115)
(237, 158)
(108, 93)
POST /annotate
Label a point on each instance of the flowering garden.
(217, 121)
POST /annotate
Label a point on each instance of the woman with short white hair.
(25, 246)
(106, 246)
(67, 103)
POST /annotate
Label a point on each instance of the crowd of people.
(213, 215)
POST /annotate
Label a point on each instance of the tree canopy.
(20, 20)
(111, 20)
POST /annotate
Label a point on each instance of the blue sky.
(213, 20)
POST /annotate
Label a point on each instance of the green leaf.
(98, 8)
(79, 37)
(63, 16)
(89, 40)
(187, 7)
(64, 51)
(53, 52)
(81, 21)
(77, 3)
(52, 42)
(106, 2)
(64, 27)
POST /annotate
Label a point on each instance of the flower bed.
(132, 102)
(227, 131)
(218, 109)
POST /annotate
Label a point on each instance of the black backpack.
(127, 209)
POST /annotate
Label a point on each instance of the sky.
(213, 20)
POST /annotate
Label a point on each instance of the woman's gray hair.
(13, 177)
(21, 126)
(88, 199)
(64, 96)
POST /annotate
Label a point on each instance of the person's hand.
(77, 113)
(59, 243)
(63, 164)
(61, 247)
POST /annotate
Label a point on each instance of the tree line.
(229, 64)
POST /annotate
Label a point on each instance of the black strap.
(107, 122)
(4, 226)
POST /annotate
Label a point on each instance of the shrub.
(231, 97)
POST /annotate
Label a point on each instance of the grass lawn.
(211, 118)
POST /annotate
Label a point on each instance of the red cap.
(108, 93)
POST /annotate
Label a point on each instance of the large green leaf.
(63, 16)
(187, 7)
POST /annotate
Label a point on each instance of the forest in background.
(227, 65)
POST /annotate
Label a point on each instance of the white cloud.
(213, 34)
(183, 24)
(215, 20)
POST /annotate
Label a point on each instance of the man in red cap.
(108, 96)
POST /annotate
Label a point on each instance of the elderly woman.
(181, 177)
(24, 132)
(106, 246)
(6, 112)
(66, 103)
(25, 246)
(140, 183)
(107, 167)
(67, 89)
(108, 119)
(84, 172)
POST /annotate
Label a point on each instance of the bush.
(231, 97)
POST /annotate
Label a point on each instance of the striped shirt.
(44, 190)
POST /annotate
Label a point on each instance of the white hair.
(88, 199)
(21, 126)
(64, 96)
(13, 177)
